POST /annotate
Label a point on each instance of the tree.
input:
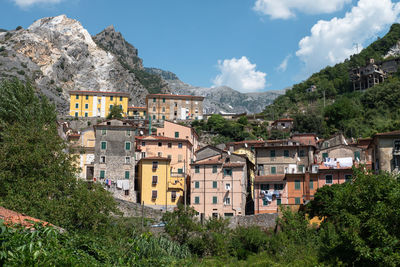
(37, 177)
(361, 220)
(115, 112)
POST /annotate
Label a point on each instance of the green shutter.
(272, 153)
(163, 117)
(265, 202)
(154, 99)
(77, 97)
(328, 179)
(196, 184)
(214, 170)
(297, 184)
(126, 174)
(76, 114)
(297, 201)
(357, 155)
(180, 170)
(286, 153)
(278, 201)
(273, 170)
(176, 134)
(311, 184)
(103, 145)
(324, 156)
(197, 169)
(128, 146)
(196, 200)
(264, 187)
(215, 200)
(102, 174)
(214, 184)
(163, 100)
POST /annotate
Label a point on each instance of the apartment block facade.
(162, 107)
(96, 103)
(114, 162)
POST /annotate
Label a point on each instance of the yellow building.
(137, 113)
(82, 147)
(158, 188)
(96, 103)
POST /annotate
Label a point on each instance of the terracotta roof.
(175, 96)
(155, 158)
(397, 132)
(270, 178)
(97, 93)
(233, 164)
(161, 138)
(247, 142)
(12, 217)
(137, 108)
(284, 119)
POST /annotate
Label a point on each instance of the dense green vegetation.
(354, 114)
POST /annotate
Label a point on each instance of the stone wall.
(266, 220)
(130, 209)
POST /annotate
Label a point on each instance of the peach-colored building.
(178, 131)
(269, 192)
(218, 185)
(177, 149)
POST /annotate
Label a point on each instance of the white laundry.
(345, 162)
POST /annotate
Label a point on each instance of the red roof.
(175, 96)
(270, 178)
(12, 217)
(97, 93)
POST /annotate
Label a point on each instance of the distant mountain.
(56, 54)
(222, 98)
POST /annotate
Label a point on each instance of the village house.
(162, 107)
(137, 113)
(218, 186)
(82, 147)
(96, 103)
(159, 188)
(284, 124)
(114, 163)
(386, 151)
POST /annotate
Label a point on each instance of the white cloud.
(28, 3)
(333, 41)
(283, 66)
(240, 74)
(285, 9)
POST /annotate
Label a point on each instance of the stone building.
(386, 151)
(218, 186)
(283, 124)
(114, 163)
(162, 107)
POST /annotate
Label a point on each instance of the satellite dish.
(245, 145)
(229, 153)
(141, 132)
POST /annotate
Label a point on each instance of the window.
(176, 134)
(278, 186)
(180, 170)
(77, 97)
(176, 104)
(154, 179)
(311, 184)
(154, 194)
(300, 168)
(76, 105)
(111, 106)
(272, 153)
(120, 98)
(163, 109)
(278, 201)
(357, 155)
(159, 154)
(155, 165)
(297, 184)
(180, 158)
(120, 106)
(154, 117)
(102, 174)
(196, 200)
(169, 145)
(179, 145)
(163, 100)
(328, 179)
(126, 192)
(169, 156)
(197, 184)
(127, 174)
(86, 106)
(143, 154)
(227, 172)
(86, 114)
(297, 201)
(265, 202)
(173, 195)
(111, 98)
(347, 178)
(128, 132)
(326, 144)
(273, 170)
(197, 169)
(324, 156)
(102, 159)
(286, 153)
(103, 145)
(214, 169)
(214, 184)
(154, 99)
(159, 144)
(143, 143)
(227, 201)
(301, 153)
(264, 187)
(154, 109)
(127, 160)
(163, 117)
(76, 114)
(103, 132)
(215, 200)
(228, 214)
(127, 145)
(99, 101)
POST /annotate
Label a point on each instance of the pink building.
(218, 183)
(270, 191)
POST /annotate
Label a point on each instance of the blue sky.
(240, 43)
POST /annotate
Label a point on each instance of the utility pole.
(323, 92)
